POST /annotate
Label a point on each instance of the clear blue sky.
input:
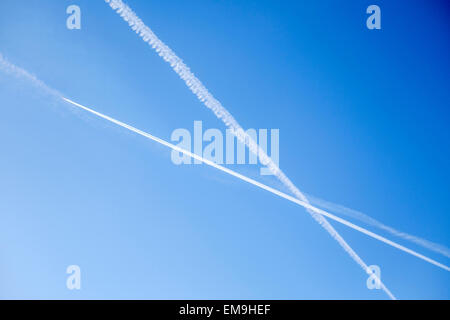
(363, 118)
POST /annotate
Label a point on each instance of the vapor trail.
(9, 68)
(436, 247)
(18, 72)
(195, 85)
(259, 184)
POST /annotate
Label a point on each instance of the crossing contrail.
(9, 68)
(12, 69)
(304, 204)
(436, 247)
(196, 86)
(201, 92)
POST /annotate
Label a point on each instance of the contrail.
(195, 85)
(259, 184)
(436, 247)
(264, 187)
(18, 72)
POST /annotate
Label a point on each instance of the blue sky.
(363, 122)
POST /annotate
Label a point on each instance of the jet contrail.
(195, 85)
(19, 72)
(10, 68)
(260, 185)
(436, 247)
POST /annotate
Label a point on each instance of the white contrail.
(16, 71)
(436, 247)
(12, 69)
(195, 85)
(260, 185)
(8, 67)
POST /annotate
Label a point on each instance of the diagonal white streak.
(12, 69)
(237, 175)
(196, 86)
(9, 68)
(261, 185)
